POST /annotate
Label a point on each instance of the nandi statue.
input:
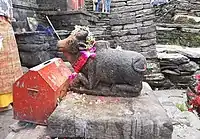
(101, 70)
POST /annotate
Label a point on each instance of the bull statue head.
(80, 39)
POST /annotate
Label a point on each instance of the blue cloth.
(48, 30)
(159, 2)
(107, 5)
(98, 6)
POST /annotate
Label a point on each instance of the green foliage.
(182, 107)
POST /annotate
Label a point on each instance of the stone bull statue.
(112, 72)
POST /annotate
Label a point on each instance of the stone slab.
(174, 58)
(186, 124)
(33, 132)
(84, 116)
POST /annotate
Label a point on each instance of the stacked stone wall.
(21, 10)
(178, 23)
(178, 30)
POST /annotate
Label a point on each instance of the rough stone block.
(150, 54)
(147, 6)
(136, 2)
(131, 26)
(118, 4)
(31, 59)
(84, 116)
(116, 28)
(144, 12)
(125, 9)
(119, 32)
(147, 29)
(189, 67)
(144, 43)
(148, 23)
(124, 32)
(38, 132)
(123, 15)
(148, 48)
(145, 18)
(133, 31)
(151, 35)
(116, 1)
(33, 47)
(127, 38)
(31, 38)
(173, 58)
(129, 46)
(122, 21)
(155, 77)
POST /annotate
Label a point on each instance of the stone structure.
(52, 5)
(178, 28)
(177, 23)
(21, 10)
(178, 64)
(37, 47)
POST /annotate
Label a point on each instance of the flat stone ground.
(6, 119)
(186, 124)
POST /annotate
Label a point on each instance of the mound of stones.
(178, 64)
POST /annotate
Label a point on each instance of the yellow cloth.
(5, 99)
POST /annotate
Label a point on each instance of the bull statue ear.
(72, 44)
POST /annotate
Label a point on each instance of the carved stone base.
(85, 116)
(104, 91)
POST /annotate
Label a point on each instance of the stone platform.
(84, 116)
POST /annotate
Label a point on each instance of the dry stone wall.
(130, 25)
(178, 30)
(179, 64)
(21, 10)
(52, 4)
(178, 23)
(132, 28)
(37, 47)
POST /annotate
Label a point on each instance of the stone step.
(32, 132)
(101, 23)
(179, 26)
(177, 34)
(192, 53)
(186, 19)
(187, 30)
(185, 123)
(103, 37)
(99, 27)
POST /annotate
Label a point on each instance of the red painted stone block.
(36, 93)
